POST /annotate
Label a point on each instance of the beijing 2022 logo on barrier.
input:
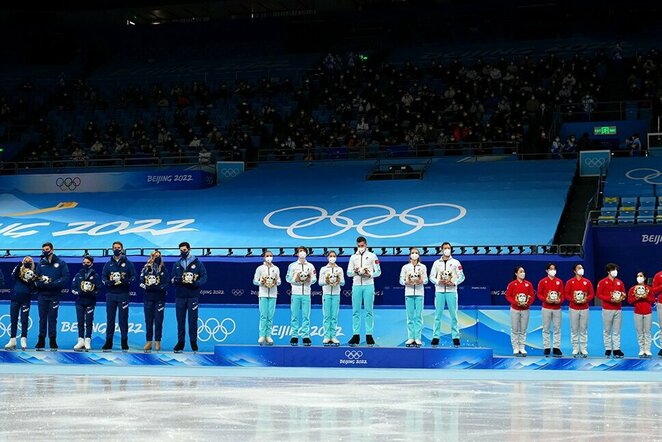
(214, 329)
(343, 222)
(5, 326)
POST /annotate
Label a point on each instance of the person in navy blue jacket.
(52, 276)
(188, 275)
(24, 291)
(85, 287)
(154, 280)
(118, 273)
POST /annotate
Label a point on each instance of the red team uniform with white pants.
(642, 297)
(551, 312)
(520, 295)
(657, 290)
(577, 288)
(612, 292)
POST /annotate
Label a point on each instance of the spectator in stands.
(635, 146)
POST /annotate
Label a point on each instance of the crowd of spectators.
(347, 101)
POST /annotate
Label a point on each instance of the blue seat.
(647, 203)
(608, 211)
(626, 217)
(629, 202)
(606, 219)
(611, 201)
(645, 219)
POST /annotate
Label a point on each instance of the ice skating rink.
(78, 402)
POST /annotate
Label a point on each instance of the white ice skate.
(80, 345)
(11, 345)
(261, 340)
(335, 341)
(418, 343)
(24, 343)
(88, 344)
(522, 349)
(326, 342)
(269, 340)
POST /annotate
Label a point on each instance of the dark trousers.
(22, 308)
(114, 303)
(186, 306)
(154, 311)
(85, 317)
(48, 309)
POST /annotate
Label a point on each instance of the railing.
(21, 167)
(474, 148)
(242, 252)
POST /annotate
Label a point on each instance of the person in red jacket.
(520, 295)
(657, 290)
(550, 293)
(612, 292)
(641, 296)
(579, 292)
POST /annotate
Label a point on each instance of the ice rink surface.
(265, 404)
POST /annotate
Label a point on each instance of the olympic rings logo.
(230, 173)
(68, 183)
(353, 354)
(213, 329)
(595, 162)
(645, 174)
(657, 337)
(346, 223)
(237, 292)
(5, 325)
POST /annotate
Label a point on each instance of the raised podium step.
(354, 357)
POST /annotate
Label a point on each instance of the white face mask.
(640, 279)
(268, 259)
(551, 272)
(447, 252)
(580, 272)
(361, 249)
(302, 254)
(332, 259)
(414, 256)
(613, 273)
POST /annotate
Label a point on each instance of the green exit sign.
(604, 130)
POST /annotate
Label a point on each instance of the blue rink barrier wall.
(480, 327)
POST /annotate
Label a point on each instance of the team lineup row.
(188, 274)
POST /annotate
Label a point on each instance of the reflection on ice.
(241, 409)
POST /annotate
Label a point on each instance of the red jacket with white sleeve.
(657, 286)
(577, 287)
(547, 285)
(605, 292)
(642, 297)
(520, 294)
